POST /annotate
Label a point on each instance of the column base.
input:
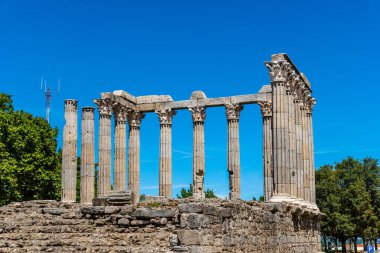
(114, 198)
(198, 195)
(282, 198)
(294, 200)
(233, 195)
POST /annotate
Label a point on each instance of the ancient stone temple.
(115, 219)
(288, 157)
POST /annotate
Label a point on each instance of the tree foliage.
(185, 193)
(348, 194)
(29, 163)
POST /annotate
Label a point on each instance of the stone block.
(153, 99)
(54, 211)
(139, 222)
(111, 209)
(198, 95)
(123, 222)
(96, 210)
(190, 208)
(189, 237)
(145, 213)
(226, 212)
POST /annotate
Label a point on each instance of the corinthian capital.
(198, 113)
(233, 111)
(104, 106)
(266, 108)
(278, 70)
(134, 118)
(293, 80)
(310, 104)
(120, 112)
(165, 116)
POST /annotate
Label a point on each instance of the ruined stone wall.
(167, 226)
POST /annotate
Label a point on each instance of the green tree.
(371, 177)
(209, 194)
(337, 223)
(349, 195)
(29, 163)
(185, 193)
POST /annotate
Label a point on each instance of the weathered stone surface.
(69, 152)
(198, 95)
(203, 226)
(190, 208)
(123, 222)
(154, 99)
(145, 213)
(54, 211)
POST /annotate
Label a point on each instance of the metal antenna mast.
(48, 95)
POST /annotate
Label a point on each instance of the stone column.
(165, 181)
(311, 103)
(87, 170)
(134, 121)
(198, 115)
(233, 152)
(299, 148)
(280, 132)
(306, 159)
(266, 112)
(69, 152)
(292, 145)
(104, 146)
(120, 152)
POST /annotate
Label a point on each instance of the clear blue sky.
(175, 47)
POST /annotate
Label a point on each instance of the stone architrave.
(69, 152)
(134, 121)
(165, 117)
(104, 146)
(120, 152)
(266, 112)
(198, 115)
(278, 72)
(87, 188)
(233, 161)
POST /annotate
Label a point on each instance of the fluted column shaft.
(292, 145)
(120, 158)
(311, 103)
(311, 158)
(134, 121)
(104, 146)
(299, 149)
(279, 72)
(233, 161)
(165, 164)
(266, 111)
(306, 154)
(69, 152)
(198, 116)
(87, 183)
(280, 140)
